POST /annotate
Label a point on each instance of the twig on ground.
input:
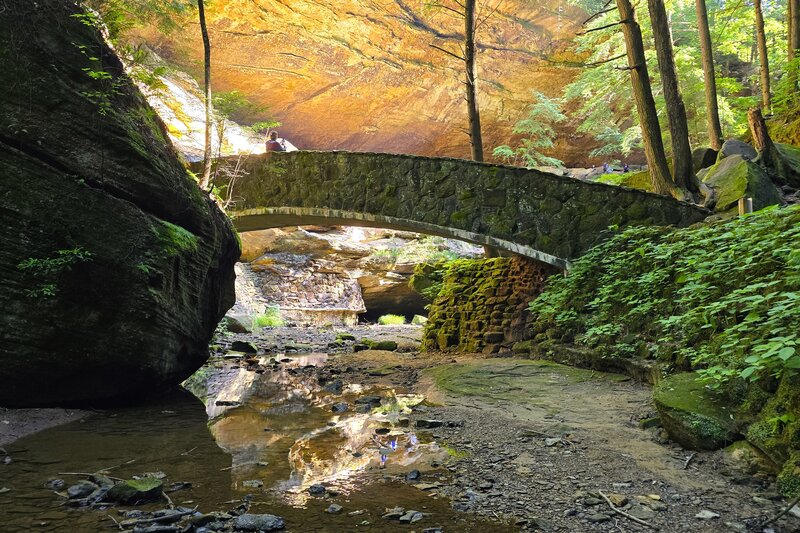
(187, 452)
(169, 500)
(157, 519)
(783, 512)
(115, 521)
(623, 513)
(689, 460)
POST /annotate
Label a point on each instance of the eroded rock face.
(115, 268)
(360, 75)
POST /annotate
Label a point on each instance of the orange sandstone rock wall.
(361, 75)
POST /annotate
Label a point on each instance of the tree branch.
(601, 12)
(584, 32)
(448, 52)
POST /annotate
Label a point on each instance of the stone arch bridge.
(543, 216)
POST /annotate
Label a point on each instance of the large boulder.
(734, 177)
(703, 158)
(791, 158)
(116, 268)
(737, 147)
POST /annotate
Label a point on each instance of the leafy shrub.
(271, 318)
(723, 296)
(392, 320)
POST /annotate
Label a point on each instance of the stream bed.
(266, 430)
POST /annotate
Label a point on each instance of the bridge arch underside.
(544, 216)
(277, 217)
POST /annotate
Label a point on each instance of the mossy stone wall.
(482, 305)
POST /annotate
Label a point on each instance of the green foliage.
(600, 96)
(271, 318)
(724, 296)
(47, 270)
(537, 134)
(392, 320)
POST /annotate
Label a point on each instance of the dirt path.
(537, 443)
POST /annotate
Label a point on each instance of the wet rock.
(81, 490)
(334, 508)
(56, 484)
(238, 324)
(598, 517)
(360, 347)
(335, 386)
(244, 347)
(411, 516)
(705, 514)
(419, 320)
(345, 337)
(414, 475)
(340, 407)
(372, 401)
(135, 491)
(394, 513)
(253, 483)
(429, 424)
(259, 522)
(101, 480)
(317, 489)
(433, 530)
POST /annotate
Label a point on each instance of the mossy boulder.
(791, 157)
(776, 429)
(692, 414)
(748, 459)
(635, 180)
(135, 491)
(116, 268)
(789, 478)
(734, 177)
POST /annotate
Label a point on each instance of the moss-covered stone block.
(692, 414)
(734, 177)
(789, 478)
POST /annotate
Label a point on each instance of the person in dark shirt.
(273, 145)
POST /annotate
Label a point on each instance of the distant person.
(625, 168)
(606, 168)
(273, 144)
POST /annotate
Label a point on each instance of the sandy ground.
(18, 423)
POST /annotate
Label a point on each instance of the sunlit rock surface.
(360, 75)
(319, 275)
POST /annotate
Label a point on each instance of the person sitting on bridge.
(273, 144)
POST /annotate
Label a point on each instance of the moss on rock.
(692, 414)
(733, 177)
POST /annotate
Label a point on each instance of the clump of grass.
(271, 318)
(392, 320)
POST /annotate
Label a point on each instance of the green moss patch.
(692, 414)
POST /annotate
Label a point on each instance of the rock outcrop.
(362, 76)
(116, 268)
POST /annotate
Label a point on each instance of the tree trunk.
(645, 105)
(794, 28)
(475, 140)
(768, 155)
(763, 60)
(206, 178)
(682, 172)
(712, 109)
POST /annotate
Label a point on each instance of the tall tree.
(712, 108)
(471, 80)
(794, 28)
(645, 104)
(206, 178)
(763, 59)
(474, 13)
(682, 172)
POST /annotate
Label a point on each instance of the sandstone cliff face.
(115, 268)
(360, 75)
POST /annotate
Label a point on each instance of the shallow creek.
(268, 430)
